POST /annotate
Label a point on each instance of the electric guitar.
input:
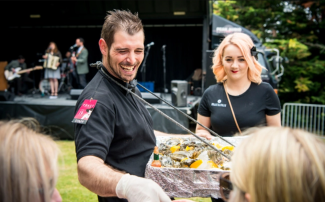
(10, 75)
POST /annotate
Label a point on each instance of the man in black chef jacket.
(115, 144)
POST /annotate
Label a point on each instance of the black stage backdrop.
(183, 50)
(183, 53)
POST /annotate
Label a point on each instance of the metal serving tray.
(188, 182)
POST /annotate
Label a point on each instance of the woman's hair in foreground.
(279, 164)
(244, 43)
(28, 163)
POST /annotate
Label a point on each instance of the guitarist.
(81, 61)
(18, 84)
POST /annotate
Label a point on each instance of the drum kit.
(45, 87)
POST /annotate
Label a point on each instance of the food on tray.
(196, 164)
(174, 148)
(227, 147)
(189, 153)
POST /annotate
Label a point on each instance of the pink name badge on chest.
(84, 111)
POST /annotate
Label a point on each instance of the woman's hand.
(57, 64)
(44, 56)
(204, 133)
(200, 131)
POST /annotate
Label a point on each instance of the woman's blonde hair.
(28, 163)
(279, 164)
(244, 43)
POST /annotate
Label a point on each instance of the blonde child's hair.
(28, 163)
(279, 164)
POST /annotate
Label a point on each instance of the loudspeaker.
(179, 93)
(6, 96)
(75, 93)
(209, 78)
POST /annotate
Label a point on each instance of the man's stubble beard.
(116, 72)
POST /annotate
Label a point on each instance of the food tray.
(188, 182)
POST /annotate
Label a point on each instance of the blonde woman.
(278, 164)
(238, 74)
(28, 164)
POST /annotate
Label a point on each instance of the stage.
(55, 115)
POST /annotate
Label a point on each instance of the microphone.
(163, 47)
(71, 47)
(150, 44)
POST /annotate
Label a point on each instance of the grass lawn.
(68, 184)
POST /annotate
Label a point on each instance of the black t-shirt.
(119, 130)
(250, 107)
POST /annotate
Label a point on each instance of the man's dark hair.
(81, 39)
(120, 20)
(20, 57)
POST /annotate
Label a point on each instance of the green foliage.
(302, 81)
(225, 10)
(296, 29)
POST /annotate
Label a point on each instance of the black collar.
(131, 85)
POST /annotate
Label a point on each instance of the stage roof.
(221, 27)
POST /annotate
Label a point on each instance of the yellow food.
(184, 159)
(174, 148)
(217, 145)
(228, 147)
(212, 164)
(188, 148)
(196, 164)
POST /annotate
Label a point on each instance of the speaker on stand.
(209, 77)
(179, 93)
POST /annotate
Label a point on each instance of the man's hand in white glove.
(137, 189)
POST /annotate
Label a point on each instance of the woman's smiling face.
(234, 63)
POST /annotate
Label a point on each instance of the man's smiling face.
(125, 55)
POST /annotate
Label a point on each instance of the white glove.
(137, 189)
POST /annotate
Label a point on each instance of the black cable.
(214, 133)
(99, 65)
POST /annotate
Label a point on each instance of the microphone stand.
(163, 48)
(143, 68)
(48, 57)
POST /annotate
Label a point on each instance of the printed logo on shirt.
(219, 104)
